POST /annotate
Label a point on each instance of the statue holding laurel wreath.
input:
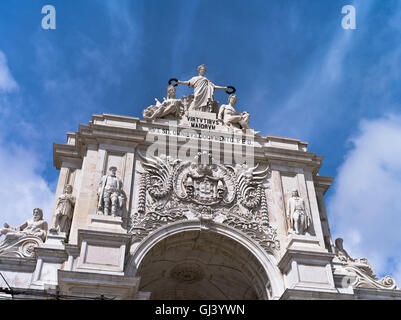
(203, 91)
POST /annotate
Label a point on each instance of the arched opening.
(199, 264)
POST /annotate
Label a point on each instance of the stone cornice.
(67, 153)
(302, 294)
(51, 252)
(17, 263)
(322, 183)
(124, 129)
(303, 255)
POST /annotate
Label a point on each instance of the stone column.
(85, 199)
(277, 206)
(313, 207)
(324, 220)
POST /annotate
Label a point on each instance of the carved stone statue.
(170, 106)
(361, 269)
(340, 251)
(203, 91)
(231, 117)
(361, 263)
(64, 211)
(35, 226)
(20, 241)
(111, 194)
(297, 214)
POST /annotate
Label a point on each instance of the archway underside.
(202, 265)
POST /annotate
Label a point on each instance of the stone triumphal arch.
(188, 260)
(188, 203)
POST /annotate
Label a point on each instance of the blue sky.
(296, 70)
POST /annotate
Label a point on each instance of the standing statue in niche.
(203, 91)
(35, 226)
(111, 194)
(231, 117)
(297, 215)
(64, 211)
(170, 106)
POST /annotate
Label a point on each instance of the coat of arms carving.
(172, 189)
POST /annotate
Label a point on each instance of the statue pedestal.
(104, 245)
(105, 223)
(99, 267)
(304, 242)
(306, 265)
(94, 285)
(50, 258)
(307, 270)
(55, 239)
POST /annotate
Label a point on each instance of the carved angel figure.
(35, 226)
(170, 106)
(64, 211)
(231, 117)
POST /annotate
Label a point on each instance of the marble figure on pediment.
(361, 269)
(35, 226)
(231, 117)
(169, 107)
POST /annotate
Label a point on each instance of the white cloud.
(21, 186)
(365, 208)
(7, 82)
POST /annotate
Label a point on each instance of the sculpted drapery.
(203, 91)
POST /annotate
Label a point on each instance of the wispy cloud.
(21, 186)
(7, 82)
(365, 209)
(318, 91)
(126, 23)
(68, 89)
